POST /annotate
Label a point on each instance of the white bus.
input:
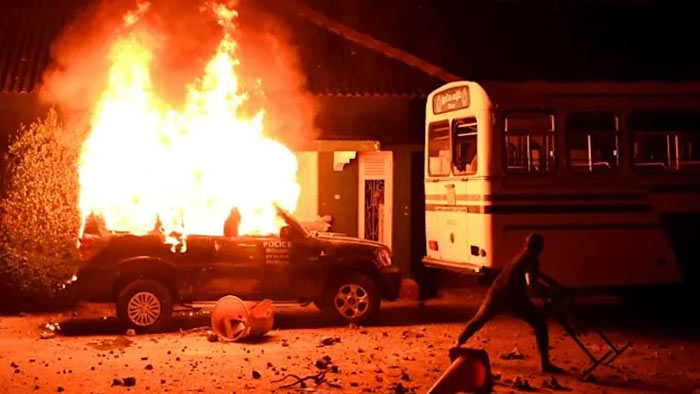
(608, 173)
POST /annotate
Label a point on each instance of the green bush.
(39, 217)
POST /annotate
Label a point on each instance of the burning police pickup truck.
(343, 276)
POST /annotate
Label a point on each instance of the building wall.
(307, 177)
(398, 123)
(406, 227)
(337, 194)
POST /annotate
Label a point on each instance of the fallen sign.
(233, 319)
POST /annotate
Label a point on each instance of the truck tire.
(352, 298)
(145, 305)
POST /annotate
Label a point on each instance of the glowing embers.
(147, 165)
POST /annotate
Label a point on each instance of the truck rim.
(143, 308)
(352, 301)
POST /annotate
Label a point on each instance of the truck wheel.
(353, 298)
(145, 305)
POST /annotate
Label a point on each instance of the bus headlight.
(384, 258)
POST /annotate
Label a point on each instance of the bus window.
(651, 151)
(464, 146)
(666, 140)
(689, 150)
(439, 149)
(592, 141)
(529, 138)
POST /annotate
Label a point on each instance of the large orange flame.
(146, 162)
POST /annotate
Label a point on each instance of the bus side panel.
(599, 257)
(681, 228)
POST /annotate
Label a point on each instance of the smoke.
(268, 57)
(183, 36)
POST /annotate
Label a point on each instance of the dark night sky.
(545, 39)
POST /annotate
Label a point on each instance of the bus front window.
(439, 149)
(464, 157)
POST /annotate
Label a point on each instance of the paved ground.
(407, 347)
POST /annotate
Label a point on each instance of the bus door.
(454, 218)
(438, 166)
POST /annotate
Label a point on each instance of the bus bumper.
(467, 268)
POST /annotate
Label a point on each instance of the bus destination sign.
(451, 99)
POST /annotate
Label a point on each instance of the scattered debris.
(60, 389)
(195, 329)
(47, 335)
(149, 367)
(399, 388)
(53, 327)
(512, 355)
(553, 384)
(117, 382)
(256, 374)
(212, 336)
(129, 381)
(119, 342)
(130, 332)
(522, 384)
(328, 341)
(323, 363)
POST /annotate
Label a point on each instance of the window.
(464, 146)
(439, 149)
(529, 142)
(665, 140)
(688, 146)
(592, 141)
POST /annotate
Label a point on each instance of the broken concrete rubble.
(328, 341)
(514, 354)
(553, 384)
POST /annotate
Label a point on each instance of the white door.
(375, 202)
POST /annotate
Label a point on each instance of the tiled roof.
(334, 66)
(27, 28)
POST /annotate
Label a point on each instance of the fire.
(147, 164)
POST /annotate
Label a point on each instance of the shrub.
(39, 217)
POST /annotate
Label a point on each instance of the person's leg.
(527, 311)
(488, 309)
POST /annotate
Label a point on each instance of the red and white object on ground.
(469, 372)
(233, 319)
